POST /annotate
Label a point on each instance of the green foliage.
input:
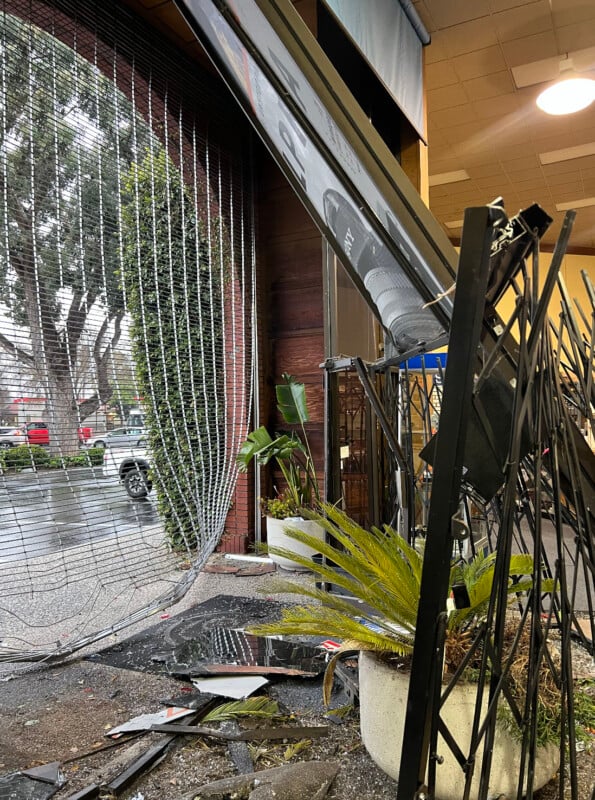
(66, 133)
(25, 456)
(549, 719)
(291, 453)
(261, 707)
(35, 456)
(478, 577)
(89, 458)
(279, 507)
(379, 568)
(174, 273)
(382, 571)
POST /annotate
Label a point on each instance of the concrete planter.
(383, 702)
(276, 537)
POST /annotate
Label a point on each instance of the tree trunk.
(62, 418)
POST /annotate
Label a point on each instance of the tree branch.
(102, 359)
(10, 347)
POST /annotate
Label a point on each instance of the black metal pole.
(467, 319)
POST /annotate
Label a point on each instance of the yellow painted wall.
(575, 286)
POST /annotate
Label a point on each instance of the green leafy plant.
(90, 458)
(382, 571)
(261, 707)
(164, 233)
(279, 507)
(379, 568)
(291, 452)
(25, 456)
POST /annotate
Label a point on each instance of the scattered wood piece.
(255, 734)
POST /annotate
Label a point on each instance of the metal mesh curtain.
(126, 303)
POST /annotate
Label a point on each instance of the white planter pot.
(383, 703)
(276, 537)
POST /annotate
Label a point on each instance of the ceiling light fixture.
(567, 96)
(568, 153)
(440, 178)
(584, 203)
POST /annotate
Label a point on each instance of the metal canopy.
(343, 172)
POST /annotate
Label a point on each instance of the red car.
(37, 432)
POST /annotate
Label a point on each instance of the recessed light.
(448, 177)
(567, 96)
(457, 223)
(586, 201)
(568, 153)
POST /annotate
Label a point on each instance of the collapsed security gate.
(126, 304)
(390, 245)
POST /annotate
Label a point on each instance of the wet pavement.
(45, 512)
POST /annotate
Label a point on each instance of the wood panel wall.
(292, 313)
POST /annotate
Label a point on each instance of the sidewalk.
(61, 713)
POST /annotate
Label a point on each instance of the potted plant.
(383, 572)
(292, 454)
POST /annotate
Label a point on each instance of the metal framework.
(542, 503)
(505, 423)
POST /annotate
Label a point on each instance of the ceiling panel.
(478, 63)
(478, 121)
(497, 135)
(469, 36)
(492, 85)
(533, 47)
(438, 74)
(455, 12)
(516, 23)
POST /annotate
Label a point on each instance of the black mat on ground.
(151, 650)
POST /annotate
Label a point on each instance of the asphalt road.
(46, 512)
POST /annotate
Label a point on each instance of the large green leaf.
(291, 399)
(261, 446)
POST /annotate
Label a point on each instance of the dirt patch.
(62, 714)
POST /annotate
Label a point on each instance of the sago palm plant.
(382, 572)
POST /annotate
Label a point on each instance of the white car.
(119, 437)
(11, 437)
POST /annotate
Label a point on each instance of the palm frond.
(377, 567)
(315, 620)
(250, 707)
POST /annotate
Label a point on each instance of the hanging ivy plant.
(175, 270)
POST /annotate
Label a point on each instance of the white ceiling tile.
(479, 62)
(486, 170)
(573, 178)
(569, 12)
(497, 107)
(517, 23)
(439, 74)
(492, 85)
(517, 165)
(455, 12)
(447, 117)
(490, 182)
(503, 5)
(436, 50)
(446, 97)
(530, 48)
(470, 36)
(576, 36)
